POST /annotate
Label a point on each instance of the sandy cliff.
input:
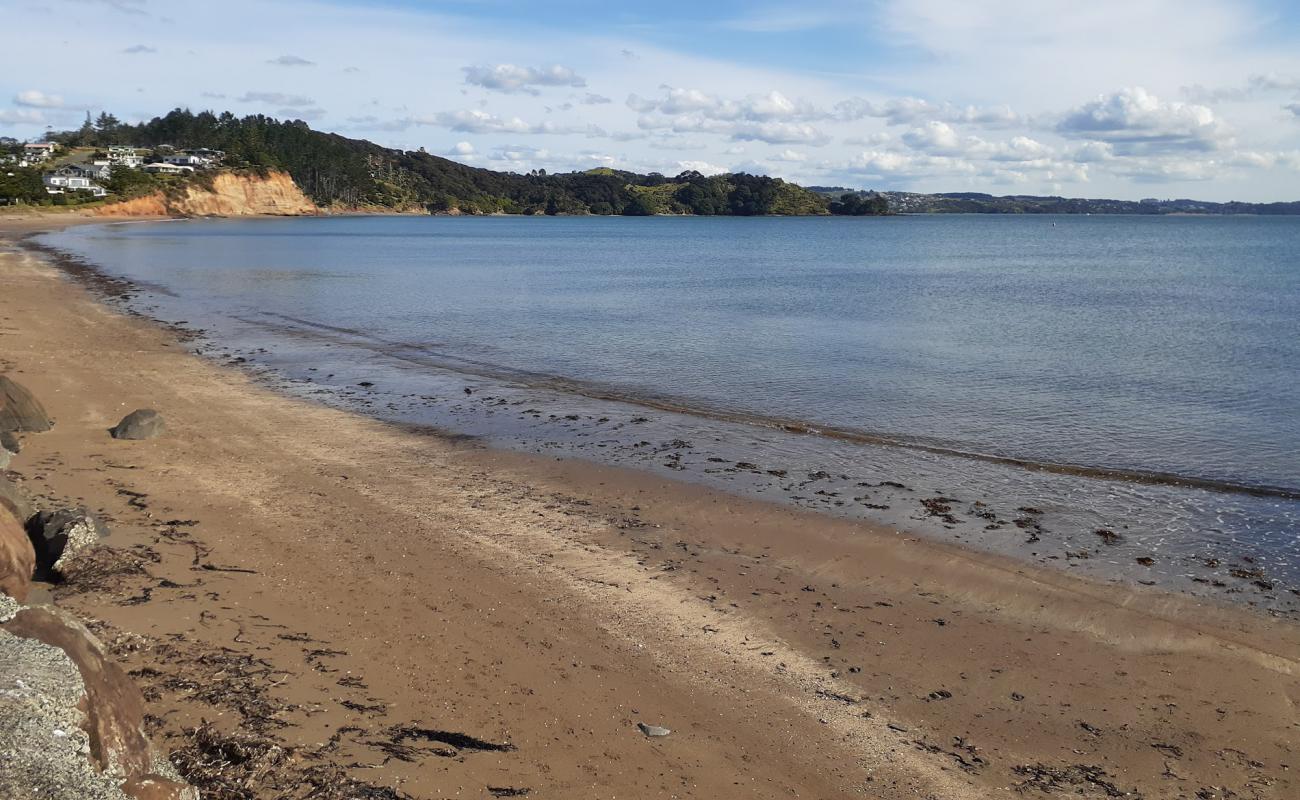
(230, 195)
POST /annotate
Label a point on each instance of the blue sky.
(1116, 98)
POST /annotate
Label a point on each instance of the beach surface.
(415, 611)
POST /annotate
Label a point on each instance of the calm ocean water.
(1148, 353)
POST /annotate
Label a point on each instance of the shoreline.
(702, 611)
(1075, 520)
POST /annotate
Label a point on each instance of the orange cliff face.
(231, 195)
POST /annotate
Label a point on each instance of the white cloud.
(291, 61)
(1135, 121)
(461, 149)
(139, 49)
(510, 78)
(591, 99)
(34, 98)
(790, 156)
(277, 99)
(21, 116)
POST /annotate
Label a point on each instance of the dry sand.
(394, 607)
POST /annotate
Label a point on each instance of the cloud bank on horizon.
(1163, 98)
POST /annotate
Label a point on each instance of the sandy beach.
(417, 613)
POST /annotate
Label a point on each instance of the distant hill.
(979, 203)
(339, 172)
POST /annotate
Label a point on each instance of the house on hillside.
(56, 183)
(164, 168)
(36, 152)
(124, 156)
(95, 172)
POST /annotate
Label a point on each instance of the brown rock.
(19, 410)
(114, 706)
(17, 557)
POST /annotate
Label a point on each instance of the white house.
(62, 184)
(124, 156)
(163, 168)
(36, 152)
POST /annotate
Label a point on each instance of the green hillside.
(353, 173)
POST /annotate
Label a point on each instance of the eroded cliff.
(226, 194)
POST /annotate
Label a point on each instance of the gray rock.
(144, 423)
(652, 730)
(60, 536)
(13, 499)
(9, 441)
(19, 410)
(5, 455)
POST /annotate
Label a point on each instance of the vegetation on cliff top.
(337, 171)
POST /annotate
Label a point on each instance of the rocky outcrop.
(17, 557)
(60, 536)
(19, 410)
(143, 423)
(225, 194)
(71, 720)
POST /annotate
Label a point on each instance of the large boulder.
(17, 557)
(14, 501)
(60, 536)
(95, 704)
(19, 410)
(10, 442)
(144, 423)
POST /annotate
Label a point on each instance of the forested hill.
(336, 171)
(979, 203)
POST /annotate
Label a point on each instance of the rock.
(41, 737)
(19, 410)
(652, 730)
(60, 536)
(144, 423)
(9, 441)
(17, 558)
(110, 710)
(5, 455)
(14, 501)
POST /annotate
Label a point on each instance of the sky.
(1105, 98)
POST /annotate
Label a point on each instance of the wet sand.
(412, 610)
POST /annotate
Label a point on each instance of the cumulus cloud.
(461, 149)
(914, 111)
(1294, 108)
(21, 116)
(591, 99)
(34, 98)
(1134, 121)
(789, 156)
(479, 121)
(772, 117)
(291, 61)
(277, 99)
(510, 78)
